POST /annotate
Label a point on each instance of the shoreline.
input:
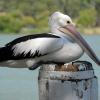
(90, 31)
(84, 31)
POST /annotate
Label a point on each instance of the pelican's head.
(58, 19)
(64, 24)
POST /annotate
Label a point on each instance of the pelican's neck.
(55, 31)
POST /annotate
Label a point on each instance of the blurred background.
(29, 16)
(21, 17)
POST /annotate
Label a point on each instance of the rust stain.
(68, 68)
(74, 66)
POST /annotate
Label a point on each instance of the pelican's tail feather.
(4, 54)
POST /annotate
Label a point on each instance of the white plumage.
(63, 45)
(42, 45)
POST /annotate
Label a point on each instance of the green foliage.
(14, 22)
(87, 17)
(29, 16)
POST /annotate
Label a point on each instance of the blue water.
(21, 84)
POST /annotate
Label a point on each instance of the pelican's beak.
(73, 33)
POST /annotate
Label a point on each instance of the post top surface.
(70, 67)
(76, 70)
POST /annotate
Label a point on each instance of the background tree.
(97, 7)
(32, 15)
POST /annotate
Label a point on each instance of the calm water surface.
(21, 84)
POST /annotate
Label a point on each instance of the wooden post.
(76, 82)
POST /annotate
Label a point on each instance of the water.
(21, 84)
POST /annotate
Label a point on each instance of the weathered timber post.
(75, 81)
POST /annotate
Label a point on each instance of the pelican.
(63, 44)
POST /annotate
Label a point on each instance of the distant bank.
(90, 31)
(86, 31)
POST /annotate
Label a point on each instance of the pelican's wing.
(35, 45)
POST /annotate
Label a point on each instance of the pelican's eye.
(68, 22)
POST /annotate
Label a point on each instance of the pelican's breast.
(69, 52)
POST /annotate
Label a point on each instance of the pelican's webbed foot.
(35, 66)
(60, 67)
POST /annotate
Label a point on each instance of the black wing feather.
(25, 38)
(6, 53)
